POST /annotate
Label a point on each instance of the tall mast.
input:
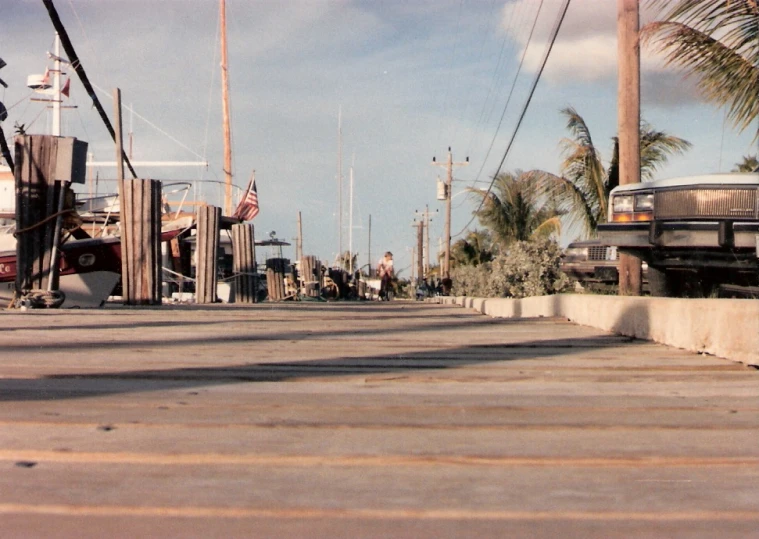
(57, 87)
(350, 223)
(340, 181)
(225, 109)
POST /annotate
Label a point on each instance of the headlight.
(580, 253)
(622, 204)
(644, 202)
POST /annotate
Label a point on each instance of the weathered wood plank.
(207, 248)
(140, 241)
(36, 200)
(244, 263)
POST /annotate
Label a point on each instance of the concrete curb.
(727, 328)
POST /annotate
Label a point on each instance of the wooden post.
(207, 248)
(628, 53)
(311, 275)
(140, 202)
(244, 263)
(275, 278)
(36, 199)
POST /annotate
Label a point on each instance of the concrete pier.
(365, 420)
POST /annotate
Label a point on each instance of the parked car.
(696, 233)
(591, 262)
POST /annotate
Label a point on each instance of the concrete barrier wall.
(727, 328)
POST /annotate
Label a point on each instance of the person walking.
(385, 272)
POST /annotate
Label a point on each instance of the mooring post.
(311, 276)
(207, 247)
(244, 263)
(140, 202)
(35, 198)
(44, 167)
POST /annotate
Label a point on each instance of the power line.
(511, 92)
(554, 34)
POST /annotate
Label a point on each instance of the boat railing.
(178, 187)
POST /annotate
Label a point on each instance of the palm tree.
(716, 41)
(473, 250)
(582, 189)
(514, 211)
(749, 164)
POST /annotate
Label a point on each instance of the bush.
(528, 268)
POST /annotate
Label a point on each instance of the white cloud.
(586, 48)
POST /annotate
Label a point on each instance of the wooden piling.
(275, 278)
(244, 263)
(207, 248)
(140, 202)
(311, 275)
(36, 200)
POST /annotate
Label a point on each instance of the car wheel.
(660, 283)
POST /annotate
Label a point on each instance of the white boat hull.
(82, 290)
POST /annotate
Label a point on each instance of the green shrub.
(528, 268)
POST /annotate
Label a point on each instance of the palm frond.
(717, 43)
(568, 198)
(548, 227)
(655, 149)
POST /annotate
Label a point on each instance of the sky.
(407, 80)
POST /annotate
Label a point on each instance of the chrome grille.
(734, 203)
(597, 252)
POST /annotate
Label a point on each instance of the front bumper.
(680, 234)
(719, 244)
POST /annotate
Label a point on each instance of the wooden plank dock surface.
(365, 420)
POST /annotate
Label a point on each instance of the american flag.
(248, 207)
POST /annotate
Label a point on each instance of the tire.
(660, 283)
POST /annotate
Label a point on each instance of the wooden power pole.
(449, 164)
(425, 215)
(299, 240)
(628, 116)
(419, 225)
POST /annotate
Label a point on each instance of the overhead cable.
(554, 34)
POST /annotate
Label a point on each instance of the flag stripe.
(248, 207)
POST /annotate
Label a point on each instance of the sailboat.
(89, 264)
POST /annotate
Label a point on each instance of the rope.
(17, 233)
(42, 299)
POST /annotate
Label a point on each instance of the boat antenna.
(77, 66)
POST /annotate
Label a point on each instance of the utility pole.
(369, 250)
(449, 164)
(299, 241)
(419, 225)
(425, 215)
(628, 117)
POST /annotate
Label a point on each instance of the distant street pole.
(299, 241)
(449, 164)
(419, 225)
(425, 215)
(628, 116)
(369, 250)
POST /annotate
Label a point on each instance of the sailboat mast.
(225, 110)
(340, 182)
(350, 223)
(57, 87)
